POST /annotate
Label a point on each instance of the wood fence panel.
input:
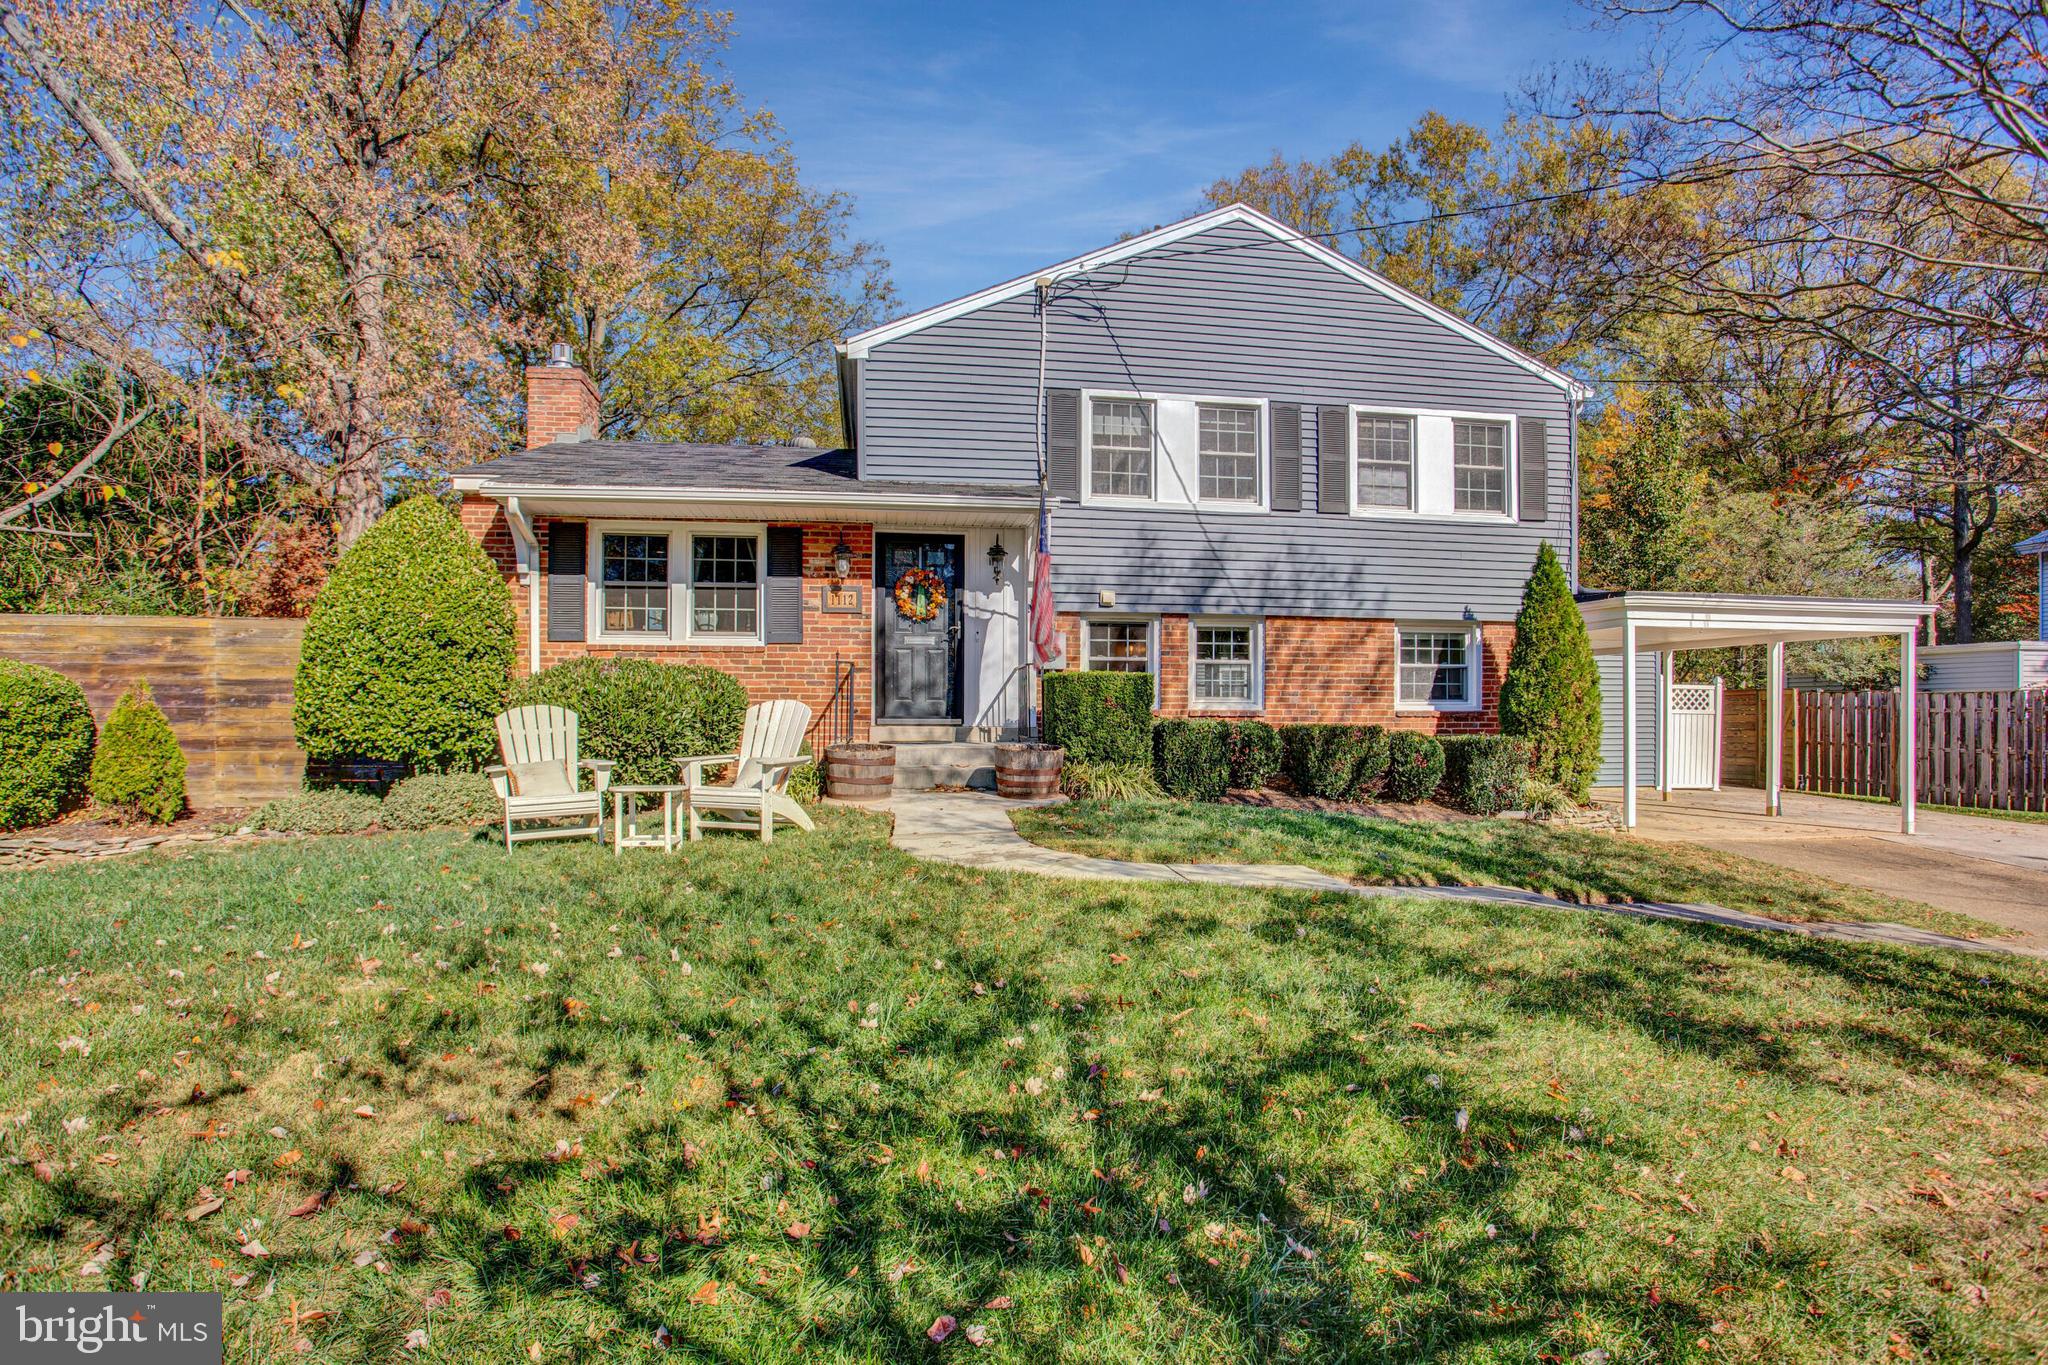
(225, 685)
(1987, 750)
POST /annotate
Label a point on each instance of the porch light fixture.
(842, 561)
(997, 556)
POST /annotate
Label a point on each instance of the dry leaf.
(308, 1206)
(942, 1327)
(203, 1208)
(707, 1294)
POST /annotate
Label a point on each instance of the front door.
(917, 638)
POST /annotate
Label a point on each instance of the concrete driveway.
(1995, 870)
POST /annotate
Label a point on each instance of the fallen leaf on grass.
(364, 1111)
(706, 1295)
(798, 1231)
(1794, 1174)
(999, 1303)
(942, 1327)
(287, 1160)
(976, 1334)
(253, 1248)
(308, 1206)
(416, 1339)
(212, 1204)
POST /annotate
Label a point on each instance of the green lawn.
(1576, 865)
(806, 1099)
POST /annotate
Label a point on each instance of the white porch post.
(1664, 672)
(1908, 740)
(1628, 723)
(1774, 748)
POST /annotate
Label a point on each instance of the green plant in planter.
(138, 768)
(45, 743)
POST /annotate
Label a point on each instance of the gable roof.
(2036, 544)
(858, 345)
(687, 467)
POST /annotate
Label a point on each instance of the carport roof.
(1696, 620)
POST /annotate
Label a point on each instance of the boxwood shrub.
(1190, 759)
(1483, 774)
(1100, 717)
(642, 715)
(408, 650)
(138, 768)
(45, 743)
(433, 800)
(1415, 766)
(1335, 762)
(1254, 751)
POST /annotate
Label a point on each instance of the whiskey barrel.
(860, 772)
(1028, 772)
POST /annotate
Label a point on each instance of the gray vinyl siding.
(958, 402)
(2021, 663)
(1647, 746)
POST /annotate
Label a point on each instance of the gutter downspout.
(1571, 407)
(526, 546)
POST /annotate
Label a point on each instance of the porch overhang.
(1633, 623)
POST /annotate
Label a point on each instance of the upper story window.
(635, 584)
(1439, 669)
(1229, 442)
(1120, 448)
(1386, 461)
(725, 586)
(1479, 466)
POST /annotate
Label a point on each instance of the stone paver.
(972, 829)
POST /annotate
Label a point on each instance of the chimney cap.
(560, 357)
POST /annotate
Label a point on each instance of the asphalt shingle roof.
(693, 467)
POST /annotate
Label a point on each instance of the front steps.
(924, 764)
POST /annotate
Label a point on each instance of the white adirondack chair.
(770, 749)
(540, 743)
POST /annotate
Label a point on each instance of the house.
(1286, 487)
(1998, 665)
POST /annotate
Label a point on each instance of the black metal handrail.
(836, 719)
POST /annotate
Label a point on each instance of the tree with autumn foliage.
(373, 210)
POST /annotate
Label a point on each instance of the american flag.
(1045, 629)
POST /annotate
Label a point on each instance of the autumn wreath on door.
(920, 594)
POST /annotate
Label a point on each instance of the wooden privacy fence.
(1982, 749)
(225, 685)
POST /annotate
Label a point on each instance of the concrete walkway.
(973, 829)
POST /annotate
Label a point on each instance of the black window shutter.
(783, 620)
(1063, 443)
(1333, 460)
(567, 574)
(1286, 457)
(1532, 446)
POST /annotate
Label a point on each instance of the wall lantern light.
(997, 556)
(842, 561)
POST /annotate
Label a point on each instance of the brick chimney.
(561, 402)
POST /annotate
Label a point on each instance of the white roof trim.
(861, 500)
(1687, 620)
(858, 345)
(2036, 544)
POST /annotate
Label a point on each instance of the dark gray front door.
(917, 662)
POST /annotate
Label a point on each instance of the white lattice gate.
(1693, 736)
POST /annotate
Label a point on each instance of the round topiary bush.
(435, 800)
(45, 743)
(644, 716)
(409, 648)
(138, 768)
(1415, 766)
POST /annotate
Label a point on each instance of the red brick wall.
(768, 672)
(560, 399)
(1328, 670)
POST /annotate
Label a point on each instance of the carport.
(1631, 624)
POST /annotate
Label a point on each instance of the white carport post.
(1628, 722)
(1665, 669)
(1774, 747)
(1908, 740)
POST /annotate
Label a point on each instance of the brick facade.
(560, 401)
(804, 671)
(1327, 670)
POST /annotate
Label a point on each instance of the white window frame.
(1209, 705)
(1151, 624)
(1475, 672)
(1186, 477)
(1507, 469)
(1425, 463)
(681, 620)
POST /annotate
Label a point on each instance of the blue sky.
(983, 141)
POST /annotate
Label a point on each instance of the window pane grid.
(1435, 667)
(1120, 646)
(1120, 448)
(1223, 664)
(635, 577)
(1479, 465)
(1386, 461)
(725, 593)
(1229, 443)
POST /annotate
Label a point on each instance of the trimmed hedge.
(1100, 717)
(435, 800)
(646, 717)
(1415, 766)
(1483, 774)
(1190, 759)
(408, 649)
(1253, 748)
(334, 811)
(1335, 762)
(45, 743)
(138, 768)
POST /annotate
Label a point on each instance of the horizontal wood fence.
(1987, 750)
(225, 685)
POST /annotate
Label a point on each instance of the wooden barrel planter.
(1028, 772)
(860, 772)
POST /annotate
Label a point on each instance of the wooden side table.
(629, 803)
